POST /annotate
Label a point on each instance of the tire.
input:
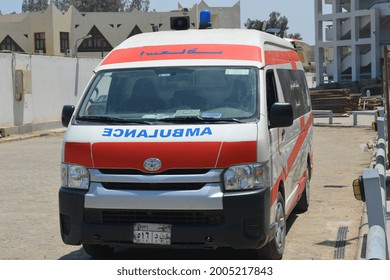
(275, 248)
(303, 203)
(98, 251)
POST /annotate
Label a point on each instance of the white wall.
(49, 84)
(6, 100)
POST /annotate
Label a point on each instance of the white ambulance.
(188, 139)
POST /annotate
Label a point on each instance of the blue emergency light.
(205, 19)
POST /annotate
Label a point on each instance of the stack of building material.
(355, 102)
(337, 100)
(371, 103)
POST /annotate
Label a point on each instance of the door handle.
(283, 134)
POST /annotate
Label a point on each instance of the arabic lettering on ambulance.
(182, 52)
(156, 133)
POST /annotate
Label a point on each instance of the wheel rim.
(281, 226)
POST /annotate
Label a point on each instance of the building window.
(64, 42)
(40, 42)
(10, 45)
(97, 43)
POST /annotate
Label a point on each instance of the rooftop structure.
(74, 33)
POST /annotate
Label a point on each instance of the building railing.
(319, 113)
(371, 188)
(364, 113)
(355, 114)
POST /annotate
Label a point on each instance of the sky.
(300, 13)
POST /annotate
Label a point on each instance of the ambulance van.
(188, 139)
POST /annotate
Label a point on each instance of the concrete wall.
(46, 85)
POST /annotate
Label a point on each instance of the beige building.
(73, 33)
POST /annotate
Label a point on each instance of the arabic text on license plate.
(152, 234)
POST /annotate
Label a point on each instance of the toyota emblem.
(152, 164)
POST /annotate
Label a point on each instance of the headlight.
(74, 176)
(246, 177)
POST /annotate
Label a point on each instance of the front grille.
(166, 172)
(128, 217)
(153, 186)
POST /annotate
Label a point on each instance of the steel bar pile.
(337, 100)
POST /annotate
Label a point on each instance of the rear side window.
(295, 91)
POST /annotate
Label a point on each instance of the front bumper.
(243, 223)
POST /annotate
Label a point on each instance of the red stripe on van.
(173, 155)
(282, 57)
(199, 51)
(78, 153)
(234, 153)
(298, 145)
(293, 155)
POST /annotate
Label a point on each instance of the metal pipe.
(376, 243)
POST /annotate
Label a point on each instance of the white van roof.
(201, 47)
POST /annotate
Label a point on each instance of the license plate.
(158, 234)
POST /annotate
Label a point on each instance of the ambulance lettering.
(157, 133)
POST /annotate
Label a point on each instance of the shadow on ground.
(126, 253)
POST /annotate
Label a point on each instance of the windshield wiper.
(198, 119)
(111, 120)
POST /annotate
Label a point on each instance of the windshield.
(204, 93)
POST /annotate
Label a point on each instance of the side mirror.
(281, 115)
(67, 112)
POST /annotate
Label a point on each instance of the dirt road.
(30, 172)
(339, 158)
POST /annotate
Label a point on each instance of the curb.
(35, 134)
(364, 225)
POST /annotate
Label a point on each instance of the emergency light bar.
(183, 22)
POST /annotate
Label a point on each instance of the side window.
(272, 94)
(295, 91)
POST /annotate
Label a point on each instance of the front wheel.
(275, 248)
